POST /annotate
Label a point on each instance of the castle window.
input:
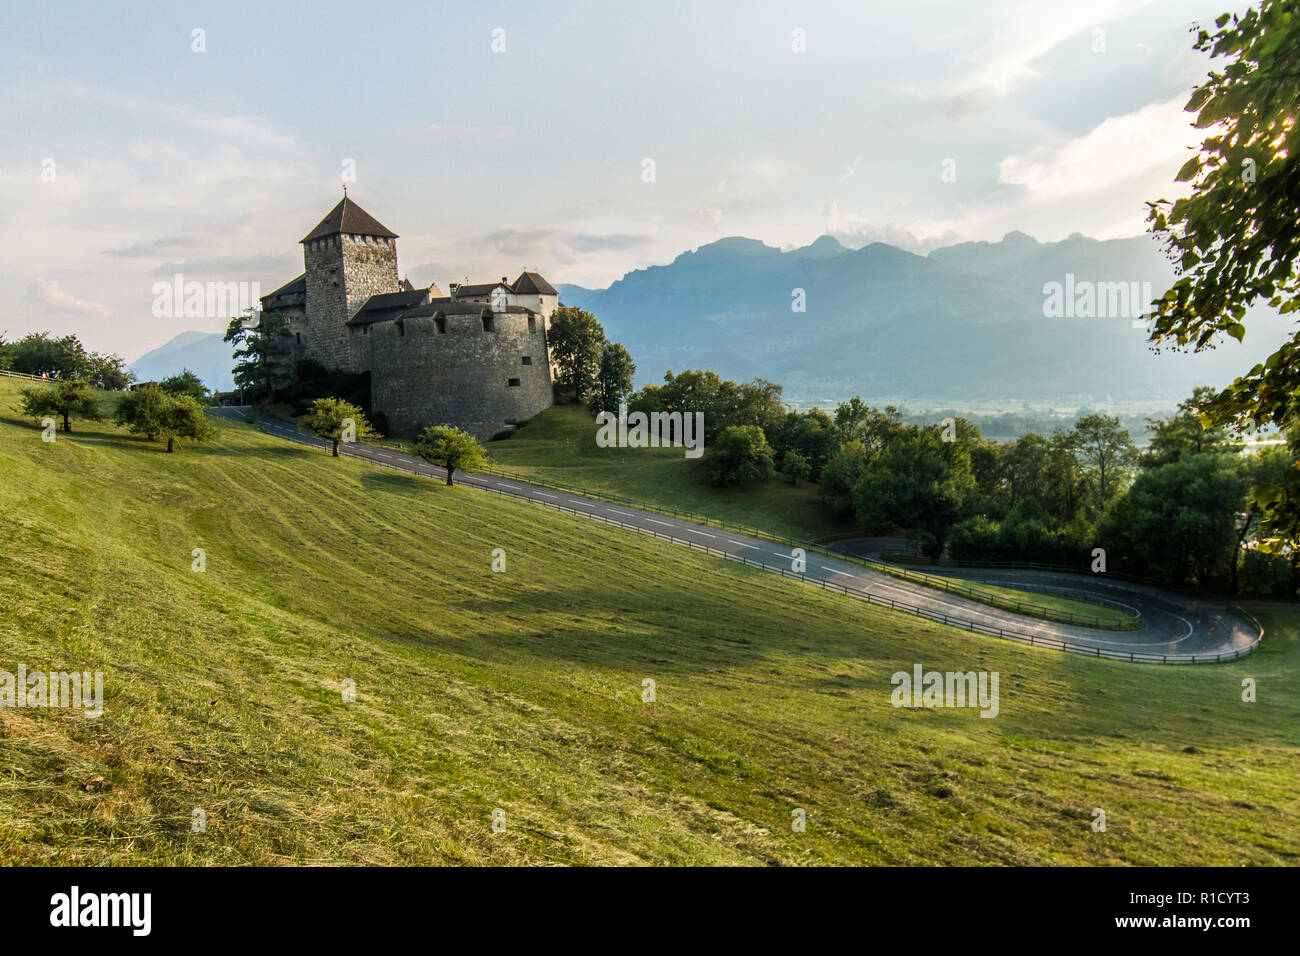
(514, 383)
(532, 326)
(528, 360)
(298, 336)
(440, 322)
(487, 323)
(401, 327)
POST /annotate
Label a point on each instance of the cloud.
(48, 294)
(615, 242)
(516, 240)
(851, 169)
(856, 232)
(142, 250)
(1003, 53)
(1116, 151)
(232, 268)
(533, 242)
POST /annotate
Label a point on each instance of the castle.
(476, 358)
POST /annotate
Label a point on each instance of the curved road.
(1177, 627)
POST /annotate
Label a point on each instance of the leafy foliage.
(185, 383)
(69, 398)
(740, 455)
(576, 341)
(40, 354)
(723, 403)
(183, 418)
(1184, 433)
(920, 484)
(338, 421)
(613, 378)
(1234, 238)
(450, 447)
(264, 353)
(148, 410)
(795, 467)
(140, 410)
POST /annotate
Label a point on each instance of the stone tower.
(348, 257)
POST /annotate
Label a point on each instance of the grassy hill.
(559, 445)
(522, 690)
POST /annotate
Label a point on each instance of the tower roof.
(348, 217)
(532, 283)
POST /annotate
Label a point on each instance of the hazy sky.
(1060, 117)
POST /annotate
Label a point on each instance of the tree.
(920, 483)
(264, 352)
(38, 354)
(1234, 239)
(613, 378)
(1183, 433)
(1178, 519)
(723, 403)
(183, 418)
(811, 434)
(857, 421)
(450, 447)
(1104, 451)
(69, 398)
(141, 410)
(749, 403)
(576, 340)
(841, 473)
(740, 455)
(108, 371)
(339, 421)
(1022, 467)
(1262, 473)
(185, 383)
(1063, 481)
(795, 467)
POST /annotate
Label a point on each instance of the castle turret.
(349, 257)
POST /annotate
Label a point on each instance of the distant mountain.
(203, 353)
(965, 323)
(1026, 263)
(568, 290)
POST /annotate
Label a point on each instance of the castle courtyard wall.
(420, 376)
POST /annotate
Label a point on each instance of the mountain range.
(965, 323)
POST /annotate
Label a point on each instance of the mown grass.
(559, 445)
(523, 690)
(1085, 611)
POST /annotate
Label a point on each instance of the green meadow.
(559, 445)
(523, 690)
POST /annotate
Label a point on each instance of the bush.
(795, 467)
(740, 455)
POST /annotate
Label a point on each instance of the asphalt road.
(1176, 627)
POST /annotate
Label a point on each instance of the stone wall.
(420, 376)
(296, 320)
(342, 272)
